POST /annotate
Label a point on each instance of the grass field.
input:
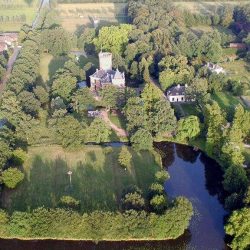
(17, 8)
(97, 179)
(237, 70)
(74, 16)
(202, 7)
(49, 65)
(226, 100)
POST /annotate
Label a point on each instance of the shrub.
(159, 203)
(133, 201)
(156, 188)
(11, 177)
(124, 157)
(162, 176)
(18, 157)
(69, 202)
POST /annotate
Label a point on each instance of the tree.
(29, 102)
(41, 94)
(69, 131)
(12, 177)
(5, 153)
(238, 226)
(69, 202)
(98, 131)
(156, 188)
(159, 203)
(235, 179)
(188, 128)
(214, 52)
(142, 140)
(113, 38)
(113, 97)
(74, 69)
(64, 85)
(162, 176)
(82, 100)
(133, 201)
(124, 157)
(57, 41)
(215, 123)
(18, 157)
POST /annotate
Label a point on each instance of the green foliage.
(5, 153)
(98, 131)
(18, 157)
(113, 38)
(12, 177)
(235, 179)
(124, 157)
(29, 103)
(159, 203)
(162, 176)
(69, 202)
(133, 201)
(69, 132)
(57, 41)
(238, 226)
(113, 97)
(142, 140)
(157, 188)
(64, 85)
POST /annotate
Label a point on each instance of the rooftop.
(176, 90)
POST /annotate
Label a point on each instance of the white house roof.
(82, 84)
(176, 90)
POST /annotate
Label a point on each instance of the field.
(237, 70)
(75, 16)
(97, 178)
(11, 12)
(202, 7)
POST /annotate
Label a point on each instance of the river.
(194, 176)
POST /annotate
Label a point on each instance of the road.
(11, 61)
(43, 4)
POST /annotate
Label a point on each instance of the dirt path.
(119, 131)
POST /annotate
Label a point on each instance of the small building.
(8, 40)
(238, 45)
(215, 68)
(177, 93)
(82, 84)
(94, 113)
(105, 75)
(3, 47)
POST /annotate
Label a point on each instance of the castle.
(106, 75)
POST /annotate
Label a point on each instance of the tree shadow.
(55, 64)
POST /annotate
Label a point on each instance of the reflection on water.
(194, 176)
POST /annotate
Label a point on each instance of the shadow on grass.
(55, 64)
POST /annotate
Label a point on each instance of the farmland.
(14, 14)
(74, 16)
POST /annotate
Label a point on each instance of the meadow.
(12, 12)
(97, 178)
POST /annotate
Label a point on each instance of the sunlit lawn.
(97, 177)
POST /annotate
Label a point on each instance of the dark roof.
(176, 90)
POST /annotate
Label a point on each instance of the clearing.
(97, 177)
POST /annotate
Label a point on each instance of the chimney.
(178, 86)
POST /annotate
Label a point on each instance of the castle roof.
(118, 74)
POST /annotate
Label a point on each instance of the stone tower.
(105, 60)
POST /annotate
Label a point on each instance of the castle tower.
(105, 60)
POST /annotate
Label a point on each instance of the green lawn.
(118, 120)
(190, 109)
(226, 100)
(15, 8)
(49, 65)
(97, 179)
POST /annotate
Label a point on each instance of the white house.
(106, 75)
(177, 93)
(215, 68)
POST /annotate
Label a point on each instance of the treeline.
(17, 18)
(68, 224)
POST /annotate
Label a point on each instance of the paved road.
(43, 3)
(11, 61)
